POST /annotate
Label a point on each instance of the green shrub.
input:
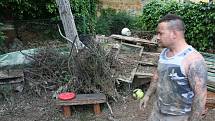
(199, 19)
(84, 11)
(112, 22)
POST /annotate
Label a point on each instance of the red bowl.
(66, 96)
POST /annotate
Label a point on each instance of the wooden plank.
(82, 99)
(124, 80)
(10, 74)
(132, 39)
(210, 78)
(132, 45)
(210, 60)
(211, 74)
(151, 53)
(145, 63)
(210, 63)
(143, 74)
(211, 70)
(210, 102)
(11, 81)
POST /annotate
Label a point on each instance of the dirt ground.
(25, 107)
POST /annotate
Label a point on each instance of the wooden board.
(132, 39)
(210, 103)
(82, 99)
(128, 56)
(7, 74)
(11, 76)
(210, 61)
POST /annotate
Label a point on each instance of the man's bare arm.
(197, 75)
(150, 91)
(153, 84)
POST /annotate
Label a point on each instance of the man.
(180, 79)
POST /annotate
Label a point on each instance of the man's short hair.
(174, 22)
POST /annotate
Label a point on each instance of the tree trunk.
(68, 22)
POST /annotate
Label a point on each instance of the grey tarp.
(15, 59)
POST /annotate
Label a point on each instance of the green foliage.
(198, 17)
(112, 22)
(84, 11)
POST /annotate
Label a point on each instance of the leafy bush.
(84, 11)
(198, 17)
(112, 22)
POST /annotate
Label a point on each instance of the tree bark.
(68, 22)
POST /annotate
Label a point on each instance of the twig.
(73, 42)
(111, 111)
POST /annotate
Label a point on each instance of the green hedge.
(112, 22)
(199, 19)
(84, 12)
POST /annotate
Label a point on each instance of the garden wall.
(131, 6)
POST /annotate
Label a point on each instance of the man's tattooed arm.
(197, 75)
(153, 84)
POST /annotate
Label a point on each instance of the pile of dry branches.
(85, 71)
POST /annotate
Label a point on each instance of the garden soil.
(27, 107)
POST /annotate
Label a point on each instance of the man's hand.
(143, 102)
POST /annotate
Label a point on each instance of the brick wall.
(131, 6)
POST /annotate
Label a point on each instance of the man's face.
(164, 35)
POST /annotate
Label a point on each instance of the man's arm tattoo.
(197, 75)
(153, 84)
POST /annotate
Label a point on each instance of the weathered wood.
(11, 76)
(132, 45)
(7, 74)
(132, 39)
(210, 103)
(151, 53)
(68, 22)
(144, 74)
(82, 99)
(97, 109)
(145, 63)
(124, 80)
(67, 111)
